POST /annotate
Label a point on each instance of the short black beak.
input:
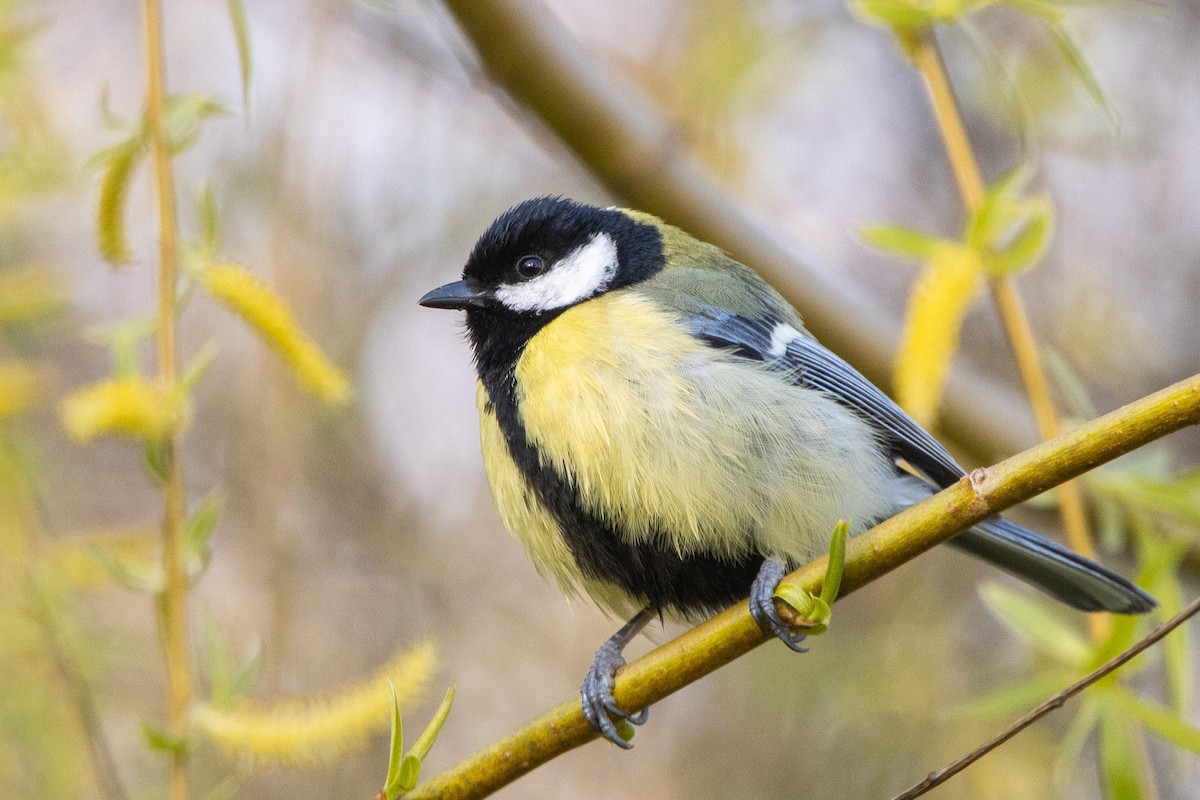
(457, 295)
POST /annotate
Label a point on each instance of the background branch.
(636, 153)
(733, 633)
(939, 777)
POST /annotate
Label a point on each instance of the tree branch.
(944, 774)
(630, 148)
(733, 633)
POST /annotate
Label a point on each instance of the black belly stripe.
(658, 577)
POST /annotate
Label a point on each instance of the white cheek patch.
(586, 271)
(781, 337)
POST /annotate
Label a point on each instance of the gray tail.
(1059, 572)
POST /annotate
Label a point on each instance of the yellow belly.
(670, 440)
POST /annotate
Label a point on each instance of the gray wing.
(770, 339)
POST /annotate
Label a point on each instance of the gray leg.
(762, 606)
(597, 690)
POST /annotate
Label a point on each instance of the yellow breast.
(670, 440)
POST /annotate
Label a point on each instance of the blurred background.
(373, 150)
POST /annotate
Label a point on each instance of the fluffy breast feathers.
(671, 440)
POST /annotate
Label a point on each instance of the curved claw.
(599, 706)
(762, 605)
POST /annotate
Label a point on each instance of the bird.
(661, 432)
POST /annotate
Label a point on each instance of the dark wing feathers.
(815, 367)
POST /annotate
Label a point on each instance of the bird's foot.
(599, 706)
(762, 605)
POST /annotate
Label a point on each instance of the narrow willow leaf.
(1078, 64)
(901, 241)
(1160, 721)
(197, 531)
(1177, 648)
(892, 14)
(837, 563)
(1069, 385)
(1071, 748)
(937, 307)
(410, 772)
(996, 212)
(159, 739)
(210, 225)
(114, 188)
(1119, 768)
(1015, 699)
(1038, 623)
(241, 33)
(196, 368)
(392, 784)
(428, 736)
(184, 116)
(1026, 246)
(813, 612)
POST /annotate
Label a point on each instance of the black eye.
(530, 266)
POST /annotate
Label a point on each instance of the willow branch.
(1056, 701)
(733, 633)
(927, 58)
(637, 154)
(172, 602)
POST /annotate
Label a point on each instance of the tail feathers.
(1057, 571)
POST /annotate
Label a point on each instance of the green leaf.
(1025, 246)
(1160, 721)
(837, 564)
(1042, 625)
(1071, 748)
(901, 241)
(1078, 64)
(1119, 768)
(1069, 385)
(229, 676)
(120, 162)
(197, 367)
(814, 613)
(184, 115)
(392, 783)
(892, 14)
(154, 459)
(198, 529)
(241, 33)
(428, 736)
(410, 772)
(1015, 699)
(129, 573)
(158, 739)
(210, 223)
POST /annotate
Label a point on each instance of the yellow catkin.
(310, 731)
(18, 387)
(936, 309)
(28, 293)
(251, 299)
(132, 407)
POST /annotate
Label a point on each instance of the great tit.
(660, 430)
